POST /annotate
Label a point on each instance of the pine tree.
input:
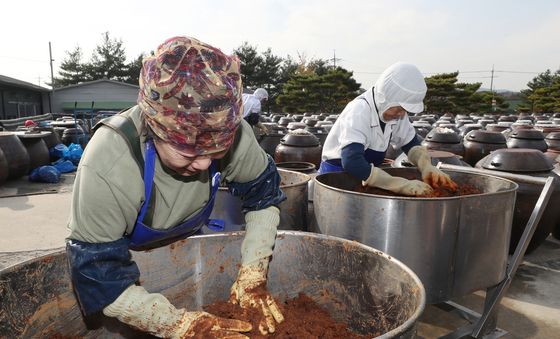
(546, 99)
(543, 93)
(250, 62)
(71, 69)
(482, 103)
(268, 77)
(326, 93)
(446, 94)
(108, 60)
(133, 69)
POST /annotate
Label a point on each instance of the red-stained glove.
(433, 176)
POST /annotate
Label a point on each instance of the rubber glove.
(433, 176)
(380, 178)
(249, 289)
(154, 314)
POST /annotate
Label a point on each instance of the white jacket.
(359, 123)
(251, 104)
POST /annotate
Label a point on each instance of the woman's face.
(182, 162)
(394, 113)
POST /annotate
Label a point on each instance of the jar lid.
(6, 133)
(522, 160)
(486, 137)
(553, 136)
(496, 128)
(33, 135)
(445, 157)
(443, 135)
(63, 123)
(296, 125)
(316, 129)
(300, 138)
(285, 121)
(531, 134)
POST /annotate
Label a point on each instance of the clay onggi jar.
(480, 143)
(534, 163)
(299, 145)
(444, 139)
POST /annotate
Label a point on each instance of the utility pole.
(52, 78)
(492, 89)
(334, 58)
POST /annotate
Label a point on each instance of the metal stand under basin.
(484, 325)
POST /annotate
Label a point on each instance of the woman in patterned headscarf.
(143, 181)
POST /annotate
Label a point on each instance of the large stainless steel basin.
(456, 245)
(293, 210)
(356, 283)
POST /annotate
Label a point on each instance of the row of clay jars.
(269, 141)
(16, 156)
(23, 152)
(479, 143)
(553, 152)
(534, 163)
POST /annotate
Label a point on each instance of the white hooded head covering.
(402, 85)
(261, 93)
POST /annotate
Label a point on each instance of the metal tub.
(356, 283)
(455, 245)
(293, 210)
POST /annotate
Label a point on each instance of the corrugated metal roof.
(97, 105)
(96, 81)
(4, 80)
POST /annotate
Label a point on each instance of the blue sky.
(520, 38)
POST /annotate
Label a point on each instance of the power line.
(460, 72)
(481, 77)
(522, 72)
(21, 59)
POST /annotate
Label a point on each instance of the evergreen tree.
(327, 93)
(108, 60)
(298, 94)
(482, 103)
(133, 70)
(439, 96)
(446, 94)
(288, 69)
(71, 69)
(547, 98)
(268, 77)
(319, 66)
(337, 88)
(250, 62)
(542, 94)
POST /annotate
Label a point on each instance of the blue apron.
(143, 235)
(335, 165)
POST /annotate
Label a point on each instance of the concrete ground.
(33, 220)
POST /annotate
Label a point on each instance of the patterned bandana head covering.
(190, 95)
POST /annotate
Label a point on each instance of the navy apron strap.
(149, 170)
(144, 236)
(216, 225)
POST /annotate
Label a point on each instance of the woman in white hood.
(361, 135)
